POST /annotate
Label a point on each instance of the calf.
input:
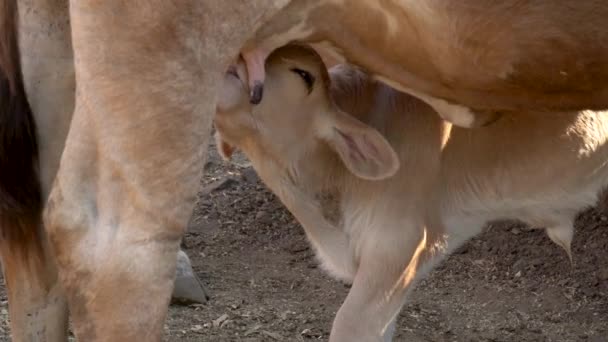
(406, 187)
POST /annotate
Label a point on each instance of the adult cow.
(469, 59)
(145, 84)
(146, 75)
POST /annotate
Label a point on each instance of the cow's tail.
(20, 191)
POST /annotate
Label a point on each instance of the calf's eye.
(306, 77)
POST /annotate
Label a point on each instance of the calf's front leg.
(387, 271)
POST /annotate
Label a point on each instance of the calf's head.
(297, 117)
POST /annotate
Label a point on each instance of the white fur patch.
(456, 114)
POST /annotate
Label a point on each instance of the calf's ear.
(363, 150)
(224, 149)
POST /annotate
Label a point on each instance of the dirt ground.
(509, 284)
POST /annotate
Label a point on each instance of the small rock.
(298, 247)
(259, 215)
(515, 231)
(273, 335)
(252, 329)
(519, 264)
(197, 327)
(306, 333)
(536, 262)
(462, 250)
(221, 184)
(555, 318)
(220, 320)
(209, 165)
(603, 274)
(285, 314)
(226, 322)
(249, 175)
(210, 227)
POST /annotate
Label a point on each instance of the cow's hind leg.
(38, 310)
(133, 158)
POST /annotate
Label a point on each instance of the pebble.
(260, 214)
(537, 261)
(217, 322)
(249, 175)
(221, 184)
(273, 335)
(196, 328)
(306, 333)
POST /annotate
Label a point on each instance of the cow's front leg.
(117, 269)
(132, 163)
(146, 75)
(116, 215)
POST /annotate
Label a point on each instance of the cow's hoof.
(188, 288)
